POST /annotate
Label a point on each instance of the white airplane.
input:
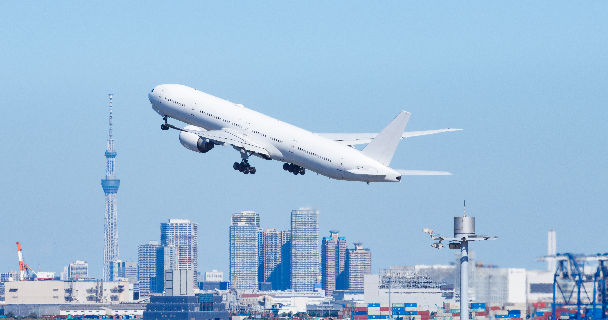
(214, 121)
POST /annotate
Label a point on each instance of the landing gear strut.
(164, 126)
(293, 168)
(244, 167)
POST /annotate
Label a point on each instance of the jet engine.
(195, 143)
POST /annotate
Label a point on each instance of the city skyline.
(526, 82)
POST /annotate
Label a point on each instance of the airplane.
(213, 121)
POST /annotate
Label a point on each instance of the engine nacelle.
(194, 142)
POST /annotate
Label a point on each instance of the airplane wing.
(352, 139)
(422, 173)
(228, 136)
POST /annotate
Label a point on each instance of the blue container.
(517, 312)
(373, 305)
(398, 309)
(478, 305)
(399, 312)
(540, 314)
(411, 305)
(360, 313)
(373, 316)
(502, 316)
(384, 317)
(411, 312)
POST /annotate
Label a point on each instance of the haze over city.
(527, 83)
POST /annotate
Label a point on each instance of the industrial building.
(61, 292)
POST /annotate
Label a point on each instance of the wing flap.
(232, 137)
(351, 139)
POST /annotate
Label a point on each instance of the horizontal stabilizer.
(422, 173)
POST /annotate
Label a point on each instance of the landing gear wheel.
(286, 166)
(302, 171)
(164, 127)
(252, 170)
(235, 166)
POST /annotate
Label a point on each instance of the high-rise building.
(285, 266)
(333, 260)
(78, 270)
(125, 270)
(110, 187)
(551, 250)
(166, 259)
(182, 234)
(244, 254)
(272, 257)
(305, 256)
(146, 268)
(358, 264)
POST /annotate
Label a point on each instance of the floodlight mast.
(464, 231)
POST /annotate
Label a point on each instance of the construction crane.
(22, 266)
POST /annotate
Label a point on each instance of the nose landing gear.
(293, 168)
(164, 126)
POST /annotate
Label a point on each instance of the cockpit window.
(152, 90)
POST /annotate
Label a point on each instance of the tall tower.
(110, 188)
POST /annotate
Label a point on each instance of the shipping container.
(373, 305)
(411, 305)
(361, 309)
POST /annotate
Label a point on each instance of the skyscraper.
(146, 268)
(333, 260)
(272, 257)
(305, 257)
(285, 266)
(182, 234)
(110, 187)
(244, 254)
(358, 264)
(166, 259)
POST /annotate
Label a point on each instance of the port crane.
(23, 268)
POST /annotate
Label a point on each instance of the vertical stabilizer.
(383, 147)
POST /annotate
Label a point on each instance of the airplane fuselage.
(284, 142)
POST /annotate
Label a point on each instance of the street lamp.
(464, 231)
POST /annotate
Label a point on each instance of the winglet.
(383, 147)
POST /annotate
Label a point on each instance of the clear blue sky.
(527, 81)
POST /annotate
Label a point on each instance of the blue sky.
(527, 81)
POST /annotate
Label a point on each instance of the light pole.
(464, 231)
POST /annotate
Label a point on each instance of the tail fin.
(383, 147)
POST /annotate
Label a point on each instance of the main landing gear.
(293, 168)
(244, 167)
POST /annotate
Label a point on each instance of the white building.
(214, 276)
(182, 234)
(61, 292)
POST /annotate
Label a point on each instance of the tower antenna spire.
(465, 209)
